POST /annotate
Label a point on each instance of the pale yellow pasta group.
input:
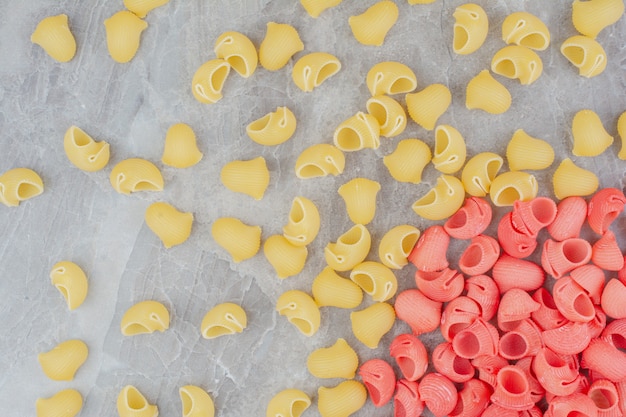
(238, 51)
(196, 402)
(470, 28)
(586, 54)
(389, 113)
(123, 31)
(172, 226)
(240, 240)
(19, 184)
(274, 128)
(350, 249)
(303, 223)
(132, 403)
(181, 147)
(66, 403)
(145, 317)
(371, 27)
(486, 93)
(396, 245)
(589, 135)
(407, 162)
(525, 29)
(359, 194)
(71, 282)
(426, 106)
(61, 362)
(336, 361)
(53, 34)
(450, 150)
(357, 132)
(342, 400)
(84, 152)
(247, 177)
(136, 174)
(286, 258)
(223, 319)
(300, 310)
(372, 323)
(320, 160)
(313, 69)
(289, 402)
(442, 200)
(281, 42)
(390, 77)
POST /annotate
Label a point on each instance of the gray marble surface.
(81, 218)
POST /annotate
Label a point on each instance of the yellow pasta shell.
(313, 69)
(223, 319)
(303, 223)
(273, 128)
(240, 240)
(330, 289)
(590, 136)
(389, 113)
(591, 16)
(142, 7)
(281, 42)
(288, 403)
(209, 79)
(83, 152)
(571, 180)
(450, 150)
(526, 152)
(65, 403)
(359, 194)
(350, 249)
(375, 279)
(470, 28)
(123, 31)
(19, 184)
(131, 402)
(479, 172)
(371, 27)
(441, 201)
(396, 245)
(248, 177)
(301, 311)
(342, 400)
(71, 282)
(53, 34)
(372, 323)
(336, 361)
(181, 149)
(511, 186)
(173, 227)
(517, 62)
(586, 54)
(358, 132)
(136, 174)
(407, 162)
(621, 131)
(196, 402)
(239, 51)
(287, 259)
(61, 362)
(486, 93)
(525, 29)
(390, 77)
(145, 317)
(320, 160)
(426, 106)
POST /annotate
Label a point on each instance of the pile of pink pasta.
(512, 347)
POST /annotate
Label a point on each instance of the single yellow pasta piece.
(320, 160)
(136, 174)
(209, 79)
(572, 180)
(53, 34)
(590, 136)
(290, 402)
(123, 31)
(407, 162)
(301, 311)
(375, 279)
(358, 132)
(342, 400)
(396, 245)
(486, 93)
(470, 28)
(84, 152)
(525, 152)
(273, 128)
(350, 249)
(281, 42)
(239, 51)
(441, 201)
(390, 77)
(315, 7)
(61, 362)
(65, 403)
(196, 402)
(240, 240)
(247, 177)
(142, 7)
(511, 186)
(19, 184)
(286, 258)
(621, 131)
(586, 54)
(145, 317)
(304, 222)
(479, 172)
(313, 69)
(181, 149)
(336, 361)
(371, 27)
(71, 282)
(223, 319)
(132, 403)
(450, 150)
(330, 289)
(389, 113)
(173, 227)
(372, 323)
(359, 194)
(426, 106)
(591, 16)
(517, 62)
(525, 29)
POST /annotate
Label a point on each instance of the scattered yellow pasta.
(511, 186)
(479, 172)
(61, 362)
(65, 403)
(181, 149)
(83, 152)
(330, 289)
(442, 200)
(426, 106)
(342, 400)
(371, 27)
(586, 54)
(301, 311)
(71, 282)
(209, 79)
(525, 29)
(517, 62)
(359, 194)
(450, 150)
(372, 323)
(375, 279)
(396, 245)
(525, 152)
(247, 177)
(136, 174)
(132, 403)
(286, 258)
(350, 249)
(407, 162)
(145, 317)
(470, 28)
(19, 184)
(336, 361)
(239, 51)
(390, 77)
(358, 132)
(304, 222)
(389, 113)
(273, 128)
(196, 402)
(240, 240)
(572, 180)
(281, 42)
(123, 35)
(53, 34)
(486, 93)
(173, 227)
(591, 16)
(320, 160)
(590, 136)
(290, 402)
(313, 69)
(621, 131)
(223, 319)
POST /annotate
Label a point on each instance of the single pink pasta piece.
(591, 279)
(547, 316)
(442, 286)
(478, 339)
(410, 355)
(556, 373)
(488, 367)
(379, 379)
(438, 393)
(470, 220)
(512, 389)
(458, 315)
(604, 207)
(513, 241)
(479, 257)
(537, 392)
(529, 217)
(570, 216)
(604, 395)
(472, 399)
(515, 305)
(568, 339)
(406, 402)
(495, 410)
(484, 290)
(572, 300)
(613, 300)
(606, 254)
(429, 254)
(615, 333)
(510, 272)
(421, 313)
(576, 404)
(524, 340)
(451, 365)
(559, 258)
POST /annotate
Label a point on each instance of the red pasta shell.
(484, 290)
(458, 315)
(451, 365)
(529, 217)
(572, 300)
(421, 313)
(510, 272)
(429, 254)
(613, 300)
(533, 412)
(556, 373)
(379, 379)
(572, 405)
(591, 279)
(524, 340)
(410, 355)
(513, 241)
(406, 402)
(488, 367)
(438, 393)
(536, 389)
(604, 395)
(615, 333)
(495, 410)
(569, 339)
(472, 400)
(480, 255)
(547, 316)
(570, 217)
(515, 305)
(442, 286)
(604, 207)
(470, 220)
(559, 258)
(606, 254)
(512, 389)
(478, 339)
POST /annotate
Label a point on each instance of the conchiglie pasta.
(181, 149)
(470, 28)
(247, 177)
(425, 107)
(71, 282)
(320, 160)
(65, 403)
(209, 79)
(372, 323)
(315, 7)
(350, 249)
(450, 150)
(83, 152)
(281, 42)
(286, 258)
(526, 152)
(142, 7)
(359, 194)
(240, 240)
(239, 51)
(371, 27)
(313, 69)
(511, 186)
(486, 93)
(301, 311)
(357, 132)
(390, 77)
(330, 289)
(525, 29)
(396, 245)
(223, 319)
(389, 113)
(591, 16)
(407, 162)
(590, 136)
(572, 180)
(62, 362)
(196, 402)
(274, 128)
(621, 131)
(342, 400)
(441, 201)
(517, 62)
(19, 184)
(123, 31)
(586, 54)
(290, 402)
(53, 34)
(132, 403)
(304, 222)
(145, 317)
(172, 226)
(479, 172)
(136, 174)
(375, 279)
(336, 361)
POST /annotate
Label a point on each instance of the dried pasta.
(136, 174)
(142, 7)
(517, 62)
(123, 31)
(132, 403)
(274, 128)
(61, 362)
(526, 152)
(53, 34)
(239, 51)
(572, 180)
(441, 201)
(341, 400)
(396, 245)
(372, 323)
(357, 132)
(83, 152)
(510, 186)
(196, 402)
(281, 42)
(450, 150)
(350, 249)
(209, 79)
(330, 289)
(371, 27)
(359, 194)
(470, 28)
(621, 131)
(223, 319)
(336, 361)
(290, 402)
(590, 17)
(486, 93)
(315, 7)
(304, 222)
(313, 69)
(390, 77)
(379, 379)
(479, 172)
(286, 258)
(590, 136)
(145, 317)
(426, 106)
(173, 227)
(407, 162)
(586, 54)
(375, 279)
(19, 184)
(301, 311)
(320, 160)
(247, 177)
(240, 240)
(65, 403)
(525, 29)
(71, 282)
(181, 148)
(389, 113)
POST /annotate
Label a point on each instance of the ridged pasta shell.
(512, 389)
(514, 242)
(196, 402)
(591, 279)
(429, 254)
(547, 316)
(315, 7)
(389, 113)
(281, 42)
(458, 315)
(19, 184)
(537, 391)
(486, 93)
(286, 258)
(605, 397)
(590, 137)
(510, 272)
(602, 357)
(71, 281)
(371, 26)
(480, 256)
(590, 17)
(390, 77)
(142, 7)
(473, 399)
(557, 373)
(511, 186)
(470, 220)
(136, 174)
(438, 393)
(527, 152)
(145, 317)
(517, 62)
(303, 223)
(123, 31)
(479, 172)
(359, 195)
(181, 149)
(470, 28)
(450, 365)
(209, 79)
(313, 69)
(478, 339)
(423, 320)
(426, 106)
(379, 379)
(290, 402)
(568, 339)
(586, 54)
(441, 201)
(53, 34)
(132, 402)
(240, 240)
(396, 245)
(65, 403)
(525, 29)
(372, 323)
(406, 401)
(357, 132)
(330, 289)
(523, 341)
(239, 51)
(515, 305)
(484, 291)
(606, 254)
(344, 399)
(336, 361)
(614, 333)
(604, 207)
(488, 367)
(442, 286)
(301, 311)
(612, 300)
(248, 177)
(274, 128)
(350, 249)
(62, 362)
(320, 160)
(83, 152)
(529, 217)
(559, 258)
(375, 279)
(570, 215)
(410, 355)
(407, 162)
(571, 180)
(223, 319)
(172, 226)
(450, 150)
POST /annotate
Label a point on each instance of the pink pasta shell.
(480, 255)
(572, 300)
(524, 340)
(576, 404)
(451, 365)
(429, 254)
(438, 393)
(410, 355)
(512, 389)
(495, 410)
(443, 286)
(510, 272)
(569, 339)
(615, 333)
(488, 367)
(537, 391)
(529, 217)
(478, 339)
(406, 402)
(421, 313)
(556, 373)
(604, 395)
(591, 279)
(604, 207)
(484, 290)
(532, 412)
(559, 258)
(379, 379)
(472, 399)
(547, 316)
(513, 241)
(613, 300)
(470, 220)
(606, 254)
(570, 216)
(458, 315)
(515, 305)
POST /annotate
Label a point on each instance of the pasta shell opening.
(513, 345)
(574, 251)
(461, 37)
(216, 80)
(605, 399)
(26, 190)
(327, 71)
(134, 399)
(216, 331)
(352, 236)
(534, 41)
(187, 401)
(297, 407)
(506, 67)
(400, 85)
(80, 138)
